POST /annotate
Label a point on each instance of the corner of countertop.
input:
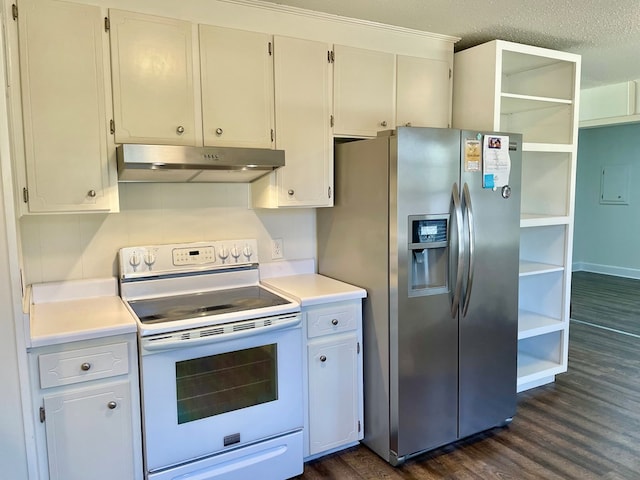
(284, 268)
(73, 290)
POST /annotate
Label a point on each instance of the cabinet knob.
(334, 321)
(383, 123)
(408, 124)
(180, 130)
(112, 405)
(85, 366)
(219, 131)
(91, 193)
(291, 192)
(323, 358)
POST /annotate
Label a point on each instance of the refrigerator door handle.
(457, 210)
(472, 240)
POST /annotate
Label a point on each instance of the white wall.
(606, 237)
(69, 247)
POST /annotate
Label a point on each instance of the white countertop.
(314, 289)
(61, 312)
(71, 311)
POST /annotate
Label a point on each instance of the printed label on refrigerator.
(472, 155)
(496, 165)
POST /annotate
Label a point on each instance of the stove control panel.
(194, 256)
(181, 257)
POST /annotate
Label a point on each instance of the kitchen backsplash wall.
(72, 247)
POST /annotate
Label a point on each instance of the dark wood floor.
(606, 300)
(586, 425)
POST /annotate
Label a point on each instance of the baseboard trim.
(606, 270)
(536, 383)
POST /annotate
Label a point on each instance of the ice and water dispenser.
(429, 258)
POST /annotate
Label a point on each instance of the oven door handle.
(219, 333)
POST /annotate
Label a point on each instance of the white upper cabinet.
(303, 112)
(364, 91)
(237, 87)
(154, 82)
(423, 95)
(70, 158)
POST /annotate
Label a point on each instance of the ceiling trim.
(337, 18)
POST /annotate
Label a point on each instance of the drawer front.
(332, 318)
(74, 366)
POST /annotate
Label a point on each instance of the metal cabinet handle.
(112, 405)
(323, 358)
(383, 123)
(180, 130)
(334, 321)
(85, 366)
(91, 193)
(219, 131)
(408, 124)
(291, 192)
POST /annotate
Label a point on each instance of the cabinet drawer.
(332, 318)
(73, 366)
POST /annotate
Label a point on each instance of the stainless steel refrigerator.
(427, 221)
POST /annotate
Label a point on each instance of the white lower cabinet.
(89, 430)
(333, 386)
(333, 392)
(87, 409)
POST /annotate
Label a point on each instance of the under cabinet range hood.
(170, 163)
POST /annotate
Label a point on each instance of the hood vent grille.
(170, 163)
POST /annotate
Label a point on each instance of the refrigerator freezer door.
(424, 334)
(488, 330)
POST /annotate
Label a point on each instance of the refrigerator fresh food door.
(489, 300)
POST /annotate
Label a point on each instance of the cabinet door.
(89, 433)
(237, 87)
(423, 92)
(303, 112)
(153, 79)
(333, 392)
(70, 159)
(364, 91)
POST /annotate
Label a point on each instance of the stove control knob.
(235, 253)
(134, 260)
(149, 259)
(247, 251)
(223, 254)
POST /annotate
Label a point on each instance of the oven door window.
(217, 384)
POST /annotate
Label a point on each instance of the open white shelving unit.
(510, 87)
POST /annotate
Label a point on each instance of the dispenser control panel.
(428, 255)
(433, 230)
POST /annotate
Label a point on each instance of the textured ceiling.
(605, 33)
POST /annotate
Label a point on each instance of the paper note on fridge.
(496, 164)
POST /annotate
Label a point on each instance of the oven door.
(215, 396)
